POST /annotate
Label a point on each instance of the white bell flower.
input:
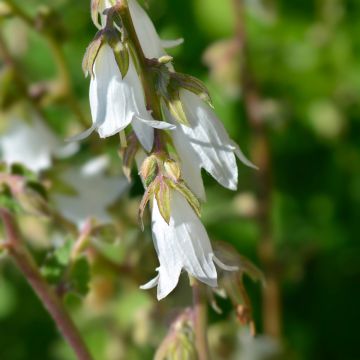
(117, 102)
(205, 144)
(32, 144)
(181, 245)
(94, 192)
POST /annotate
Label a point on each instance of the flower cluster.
(167, 124)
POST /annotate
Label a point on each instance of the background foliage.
(304, 55)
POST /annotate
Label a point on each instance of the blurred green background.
(304, 56)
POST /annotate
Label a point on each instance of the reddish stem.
(45, 293)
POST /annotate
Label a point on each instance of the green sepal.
(192, 84)
(122, 56)
(182, 188)
(149, 193)
(176, 108)
(95, 5)
(91, 54)
(128, 154)
(163, 198)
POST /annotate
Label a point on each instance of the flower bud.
(180, 341)
(165, 59)
(149, 170)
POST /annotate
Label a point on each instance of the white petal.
(67, 150)
(146, 32)
(183, 244)
(111, 97)
(209, 140)
(241, 156)
(114, 101)
(94, 193)
(144, 130)
(162, 125)
(31, 144)
(190, 169)
(219, 263)
(83, 135)
(152, 283)
(168, 44)
(144, 133)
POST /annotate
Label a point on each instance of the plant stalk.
(200, 320)
(26, 264)
(272, 308)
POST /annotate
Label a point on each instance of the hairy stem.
(200, 320)
(262, 157)
(26, 264)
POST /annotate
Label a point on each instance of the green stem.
(200, 319)
(152, 100)
(26, 264)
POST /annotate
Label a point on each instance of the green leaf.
(56, 262)
(79, 277)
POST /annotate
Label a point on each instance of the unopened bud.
(149, 170)
(165, 59)
(180, 341)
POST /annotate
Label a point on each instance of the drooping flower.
(183, 244)
(116, 102)
(32, 144)
(205, 144)
(94, 191)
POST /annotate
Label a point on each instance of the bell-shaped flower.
(92, 192)
(32, 144)
(116, 102)
(183, 244)
(205, 144)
